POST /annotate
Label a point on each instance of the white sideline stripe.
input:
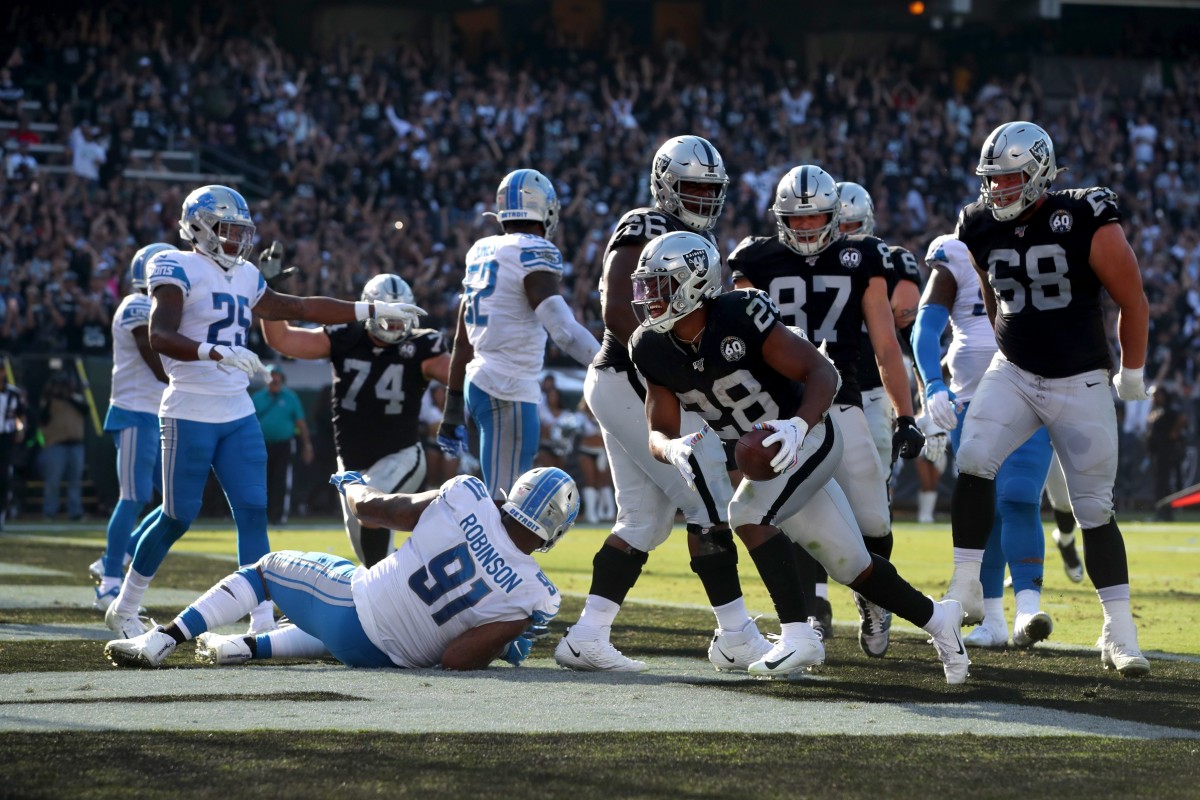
(81, 596)
(26, 569)
(408, 701)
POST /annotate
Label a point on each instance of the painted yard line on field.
(678, 695)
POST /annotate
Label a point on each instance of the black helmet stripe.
(710, 158)
(804, 182)
(996, 134)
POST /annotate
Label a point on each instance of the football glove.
(235, 357)
(452, 432)
(270, 264)
(678, 453)
(936, 439)
(1130, 384)
(346, 478)
(908, 440)
(790, 434)
(517, 650)
(940, 405)
(405, 313)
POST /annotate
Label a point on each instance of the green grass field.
(669, 620)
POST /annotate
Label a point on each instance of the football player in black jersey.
(1043, 257)
(729, 358)
(380, 372)
(829, 285)
(688, 181)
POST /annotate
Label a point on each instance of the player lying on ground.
(461, 592)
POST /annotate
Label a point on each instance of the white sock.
(937, 620)
(262, 616)
(223, 604)
(926, 502)
(1063, 539)
(1029, 601)
(1114, 600)
(993, 613)
(822, 590)
(107, 583)
(589, 504)
(133, 589)
(291, 642)
(596, 619)
(967, 564)
(733, 615)
(789, 629)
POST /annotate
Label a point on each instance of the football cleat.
(735, 651)
(800, 650)
(1072, 564)
(217, 650)
(969, 594)
(987, 635)
(1121, 652)
(128, 626)
(1029, 629)
(594, 655)
(96, 568)
(947, 640)
(824, 618)
(147, 650)
(874, 632)
(105, 599)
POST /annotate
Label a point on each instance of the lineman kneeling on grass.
(461, 592)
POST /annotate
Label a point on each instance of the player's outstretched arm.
(398, 512)
(1114, 262)
(452, 431)
(796, 358)
(542, 290)
(295, 342)
(881, 327)
(480, 646)
(328, 311)
(166, 339)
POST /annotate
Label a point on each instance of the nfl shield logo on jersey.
(1061, 221)
(850, 258)
(733, 348)
(697, 261)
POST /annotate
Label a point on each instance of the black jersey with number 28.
(1049, 320)
(377, 391)
(822, 294)
(723, 377)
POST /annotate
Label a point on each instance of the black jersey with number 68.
(377, 391)
(723, 377)
(822, 294)
(1049, 319)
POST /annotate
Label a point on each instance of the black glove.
(452, 432)
(908, 440)
(270, 264)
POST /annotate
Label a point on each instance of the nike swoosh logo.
(575, 652)
(957, 638)
(1090, 385)
(774, 664)
(727, 658)
(845, 408)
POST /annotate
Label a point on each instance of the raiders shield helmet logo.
(850, 258)
(1061, 221)
(697, 261)
(733, 348)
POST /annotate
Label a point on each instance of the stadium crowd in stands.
(384, 159)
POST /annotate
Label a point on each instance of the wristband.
(1134, 373)
(204, 352)
(364, 309)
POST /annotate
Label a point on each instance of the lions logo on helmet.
(675, 274)
(691, 160)
(546, 501)
(216, 219)
(1015, 148)
(388, 288)
(526, 194)
(807, 191)
(138, 276)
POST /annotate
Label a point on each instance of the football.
(753, 457)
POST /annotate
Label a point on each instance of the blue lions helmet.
(526, 194)
(545, 500)
(217, 221)
(137, 267)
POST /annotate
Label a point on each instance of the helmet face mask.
(1015, 149)
(675, 274)
(388, 288)
(807, 191)
(546, 501)
(139, 276)
(217, 221)
(681, 170)
(528, 195)
(857, 212)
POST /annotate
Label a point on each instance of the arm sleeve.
(927, 340)
(574, 339)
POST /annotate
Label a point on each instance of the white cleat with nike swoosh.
(945, 628)
(799, 650)
(735, 651)
(593, 655)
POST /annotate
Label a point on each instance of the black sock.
(972, 511)
(1104, 555)
(885, 588)
(374, 543)
(1064, 520)
(715, 563)
(173, 631)
(880, 545)
(807, 567)
(776, 563)
(614, 572)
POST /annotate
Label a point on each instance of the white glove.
(678, 451)
(790, 434)
(1130, 384)
(404, 313)
(935, 447)
(941, 409)
(234, 357)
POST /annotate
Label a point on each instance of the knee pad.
(1092, 512)
(713, 543)
(614, 572)
(972, 458)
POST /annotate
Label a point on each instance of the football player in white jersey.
(463, 591)
(1017, 538)
(202, 305)
(138, 381)
(512, 297)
